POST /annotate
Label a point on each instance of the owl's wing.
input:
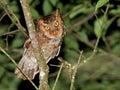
(58, 51)
(27, 64)
(51, 50)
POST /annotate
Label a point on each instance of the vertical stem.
(57, 77)
(75, 71)
(43, 68)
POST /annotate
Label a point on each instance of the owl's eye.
(55, 23)
(47, 27)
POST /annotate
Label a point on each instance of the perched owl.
(50, 31)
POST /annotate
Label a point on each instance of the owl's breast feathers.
(50, 47)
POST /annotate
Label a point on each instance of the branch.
(12, 16)
(38, 53)
(58, 75)
(17, 65)
(75, 69)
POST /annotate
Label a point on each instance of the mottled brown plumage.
(50, 31)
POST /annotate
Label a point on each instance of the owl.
(50, 31)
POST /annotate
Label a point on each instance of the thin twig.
(9, 33)
(93, 53)
(79, 23)
(2, 17)
(98, 38)
(58, 75)
(75, 71)
(66, 65)
(89, 44)
(18, 67)
(13, 17)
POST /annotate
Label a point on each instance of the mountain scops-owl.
(50, 30)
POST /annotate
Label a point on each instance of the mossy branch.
(38, 53)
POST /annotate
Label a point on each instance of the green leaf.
(34, 12)
(115, 40)
(100, 3)
(71, 43)
(101, 26)
(60, 6)
(106, 25)
(47, 8)
(79, 9)
(17, 43)
(83, 35)
(14, 6)
(71, 55)
(115, 11)
(1, 71)
(116, 49)
(2, 43)
(53, 2)
(9, 66)
(98, 27)
(29, 1)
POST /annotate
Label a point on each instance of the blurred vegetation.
(86, 21)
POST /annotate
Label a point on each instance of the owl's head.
(51, 26)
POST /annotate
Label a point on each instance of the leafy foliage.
(86, 21)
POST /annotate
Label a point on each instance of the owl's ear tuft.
(57, 13)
